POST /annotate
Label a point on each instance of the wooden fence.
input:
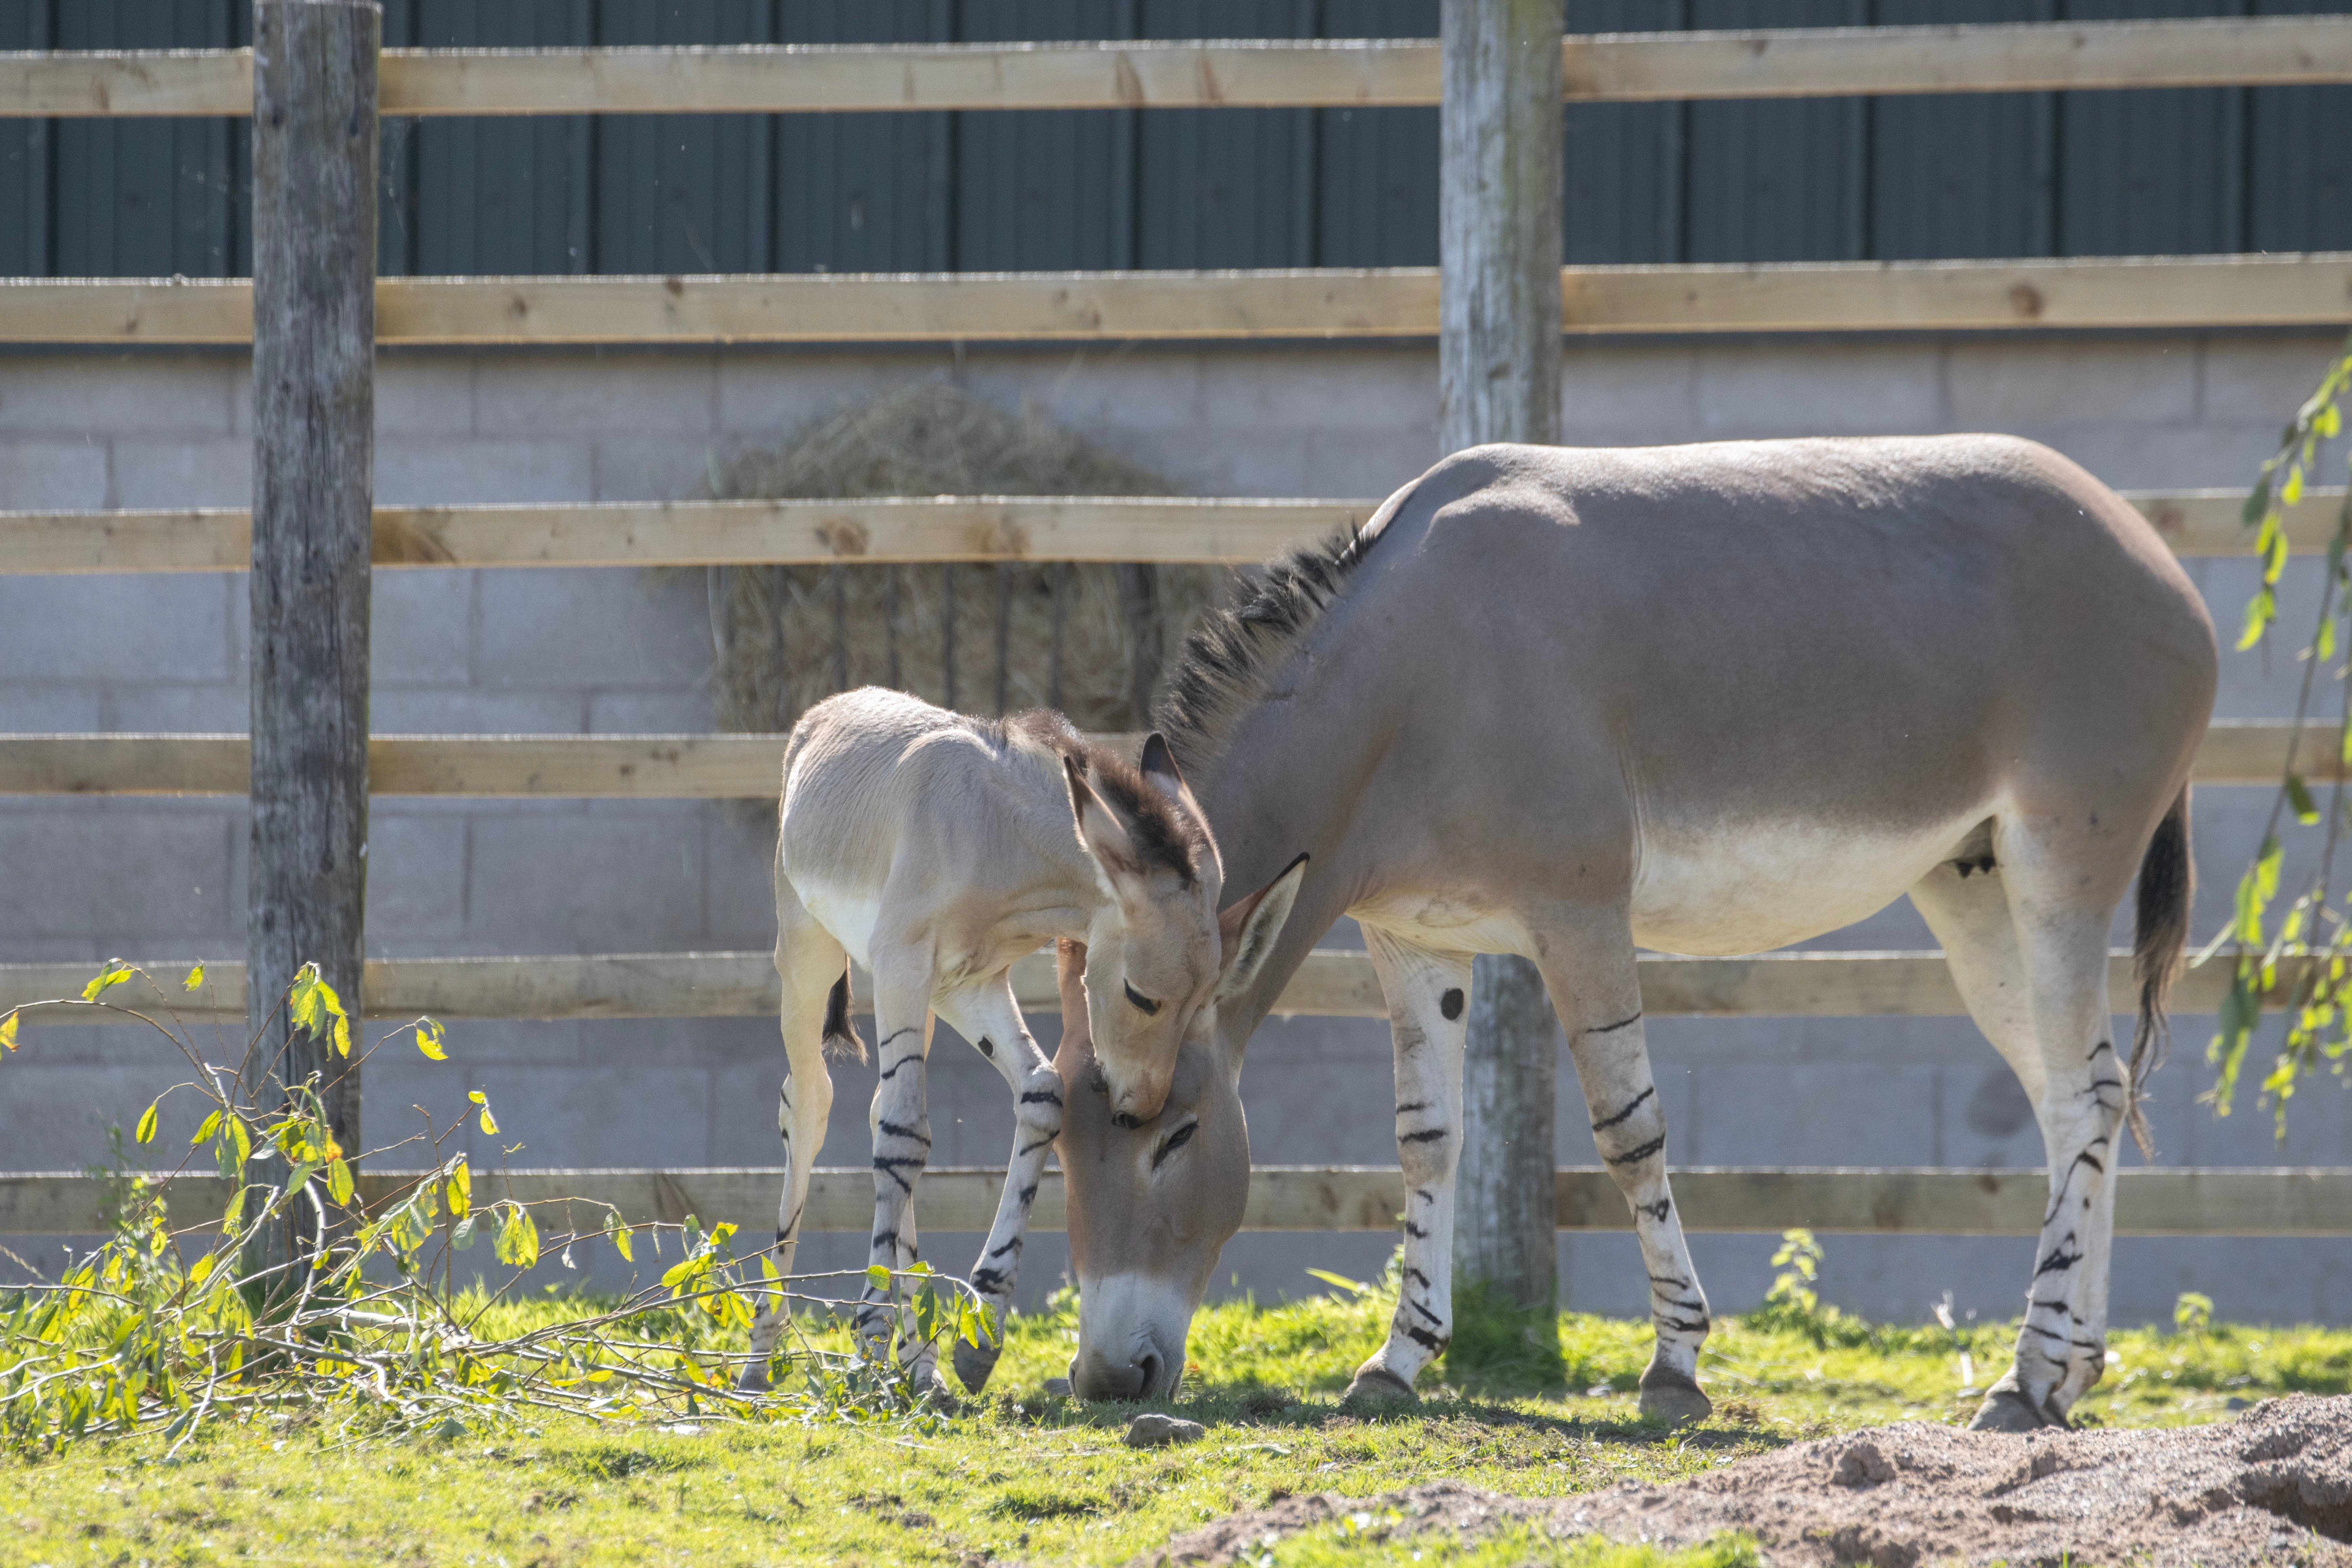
(2280, 1201)
(1338, 73)
(2180, 292)
(1166, 530)
(2174, 292)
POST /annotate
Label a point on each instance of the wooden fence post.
(1499, 380)
(314, 205)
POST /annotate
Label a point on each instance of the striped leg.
(2042, 1003)
(1592, 979)
(901, 1124)
(1428, 995)
(810, 963)
(991, 1020)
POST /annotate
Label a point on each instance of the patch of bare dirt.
(2274, 1486)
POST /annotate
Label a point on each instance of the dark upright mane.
(1233, 652)
(1161, 834)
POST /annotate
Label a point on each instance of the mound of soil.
(2272, 1487)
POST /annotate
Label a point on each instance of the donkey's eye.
(1139, 999)
(1176, 1140)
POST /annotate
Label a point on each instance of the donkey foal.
(935, 850)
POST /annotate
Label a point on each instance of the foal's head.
(1160, 953)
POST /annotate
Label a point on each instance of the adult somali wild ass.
(1708, 700)
(935, 849)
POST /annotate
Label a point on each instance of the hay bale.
(1087, 638)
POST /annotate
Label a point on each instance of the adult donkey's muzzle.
(1131, 1333)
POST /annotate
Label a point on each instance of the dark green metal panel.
(683, 193)
(1049, 189)
(148, 197)
(488, 195)
(24, 191)
(1227, 187)
(1967, 174)
(1623, 199)
(862, 192)
(2299, 158)
(1376, 169)
(1776, 180)
(2089, 173)
(2151, 173)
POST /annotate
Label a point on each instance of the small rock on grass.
(1152, 1429)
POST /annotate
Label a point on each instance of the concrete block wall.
(585, 651)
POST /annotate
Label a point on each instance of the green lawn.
(1030, 1476)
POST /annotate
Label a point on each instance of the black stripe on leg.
(1684, 1325)
(1633, 1105)
(1033, 1148)
(1619, 1023)
(1012, 1245)
(1042, 1097)
(1423, 1338)
(1656, 1211)
(896, 1130)
(1413, 1105)
(890, 1168)
(1427, 1135)
(1426, 1313)
(1416, 1231)
(1635, 1157)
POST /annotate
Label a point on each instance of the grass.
(1023, 1475)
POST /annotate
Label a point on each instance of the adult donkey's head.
(1152, 1202)
(1158, 951)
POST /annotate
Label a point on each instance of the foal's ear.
(1100, 829)
(1158, 766)
(1248, 928)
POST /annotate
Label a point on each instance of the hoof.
(1379, 1385)
(1668, 1396)
(2008, 1410)
(974, 1363)
(1059, 1388)
(752, 1379)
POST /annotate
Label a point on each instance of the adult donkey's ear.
(1100, 829)
(1249, 926)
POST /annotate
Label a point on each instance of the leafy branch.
(2300, 965)
(167, 1330)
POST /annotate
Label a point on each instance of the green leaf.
(147, 1125)
(489, 1123)
(8, 1031)
(461, 1234)
(619, 1235)
(114, 973)
(342, 1036)
(2329, 423)
(340, 1184)
(518, 1240)
(195, 978)
(461, 1191)
(211, 1125)
(2298, 798)
(2290, 492)
(2258, 501)
(2260, 611)
(314, 1007)
(878, 1277)
(1342, 1281)
(429, 1038)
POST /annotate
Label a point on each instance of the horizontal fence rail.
(1208, 74)
(708, 767)
(1163, 530)
(1333, 983)
(2180, 293)
(2288, 1201)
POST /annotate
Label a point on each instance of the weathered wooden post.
(1498, 215)
(314, 204)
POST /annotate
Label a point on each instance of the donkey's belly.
(1750, 889)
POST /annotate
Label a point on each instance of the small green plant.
(1792, 1303)
(305, 1299)
(2192, 1314)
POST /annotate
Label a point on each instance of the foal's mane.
(1233, 652)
